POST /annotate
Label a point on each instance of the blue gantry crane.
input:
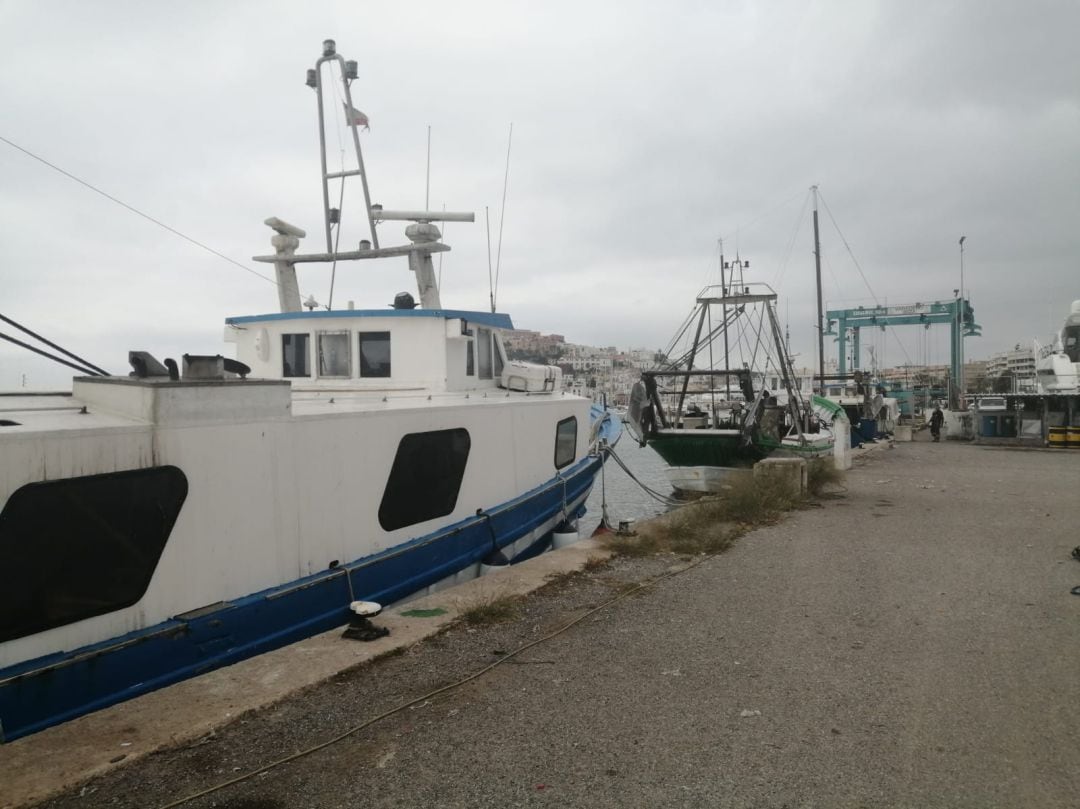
(957, 313)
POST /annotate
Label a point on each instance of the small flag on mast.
(354, 117)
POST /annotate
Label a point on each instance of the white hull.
(271, 499)
(713, 479)
(702, 479)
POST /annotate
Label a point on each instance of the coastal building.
(533, 344)
(1018, 363)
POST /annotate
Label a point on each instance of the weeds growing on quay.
(491, 609)
(822, 475)
(594, 563)
(712, 524)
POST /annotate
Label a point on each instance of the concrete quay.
(912, 642)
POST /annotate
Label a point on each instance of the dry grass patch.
(712, 524)
(753, 501)
(594, 563)
(649, 541)
(693, 529)
(490, 608)
(822, 477)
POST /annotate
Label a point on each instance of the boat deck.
(59, 412)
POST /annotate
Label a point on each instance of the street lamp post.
(962, 320)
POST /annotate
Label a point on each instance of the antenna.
(502, 216)
(427, 178)
(491, 288)
(787, 323)
(440, 254)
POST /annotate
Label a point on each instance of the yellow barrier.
(1068, 437)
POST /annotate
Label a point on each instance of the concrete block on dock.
(790, 473)
(902, 432)
(841, 444)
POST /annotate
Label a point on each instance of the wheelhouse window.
(334, 359)
(295, 354)
(497, 355)
(483, 350)
(565, 442)
(374, 353)
(1071, 343)
(74, 548)
(426, 477)
(470, 359)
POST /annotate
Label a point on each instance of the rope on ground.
(438, 691)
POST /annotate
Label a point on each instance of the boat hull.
(706, 448)
(706, 460)
(279, 526)
(703, 479)
(54, 689)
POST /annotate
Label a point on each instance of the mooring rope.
(662, 498)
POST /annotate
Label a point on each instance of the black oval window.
(78, 547)
(426, 477)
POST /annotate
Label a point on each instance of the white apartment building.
(1019, 361)
(590, 364)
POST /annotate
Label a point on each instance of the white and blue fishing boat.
(160, 524)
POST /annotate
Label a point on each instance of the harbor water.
(626, 500)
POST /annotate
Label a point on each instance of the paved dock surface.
(912, 643)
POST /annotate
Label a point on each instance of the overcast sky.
(642, 134)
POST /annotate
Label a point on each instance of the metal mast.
(820, 322)
(723, 293)
(332, 216)
(963, 321)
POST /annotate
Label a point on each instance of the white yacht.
(1057, 366)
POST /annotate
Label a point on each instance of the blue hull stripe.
(49, 690)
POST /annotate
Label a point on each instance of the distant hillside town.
(608, 371)
(587, 370)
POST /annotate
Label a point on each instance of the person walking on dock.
(936, 420)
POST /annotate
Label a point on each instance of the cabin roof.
(497, 320)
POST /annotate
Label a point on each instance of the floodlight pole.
(820, 322)
(962, 321)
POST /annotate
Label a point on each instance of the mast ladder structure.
(422, 233)
(348, 70)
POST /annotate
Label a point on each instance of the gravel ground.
(910, 643)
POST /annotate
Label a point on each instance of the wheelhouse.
(441, 350)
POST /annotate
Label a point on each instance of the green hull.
(706, 449)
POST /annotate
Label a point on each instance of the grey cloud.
(641, 135)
